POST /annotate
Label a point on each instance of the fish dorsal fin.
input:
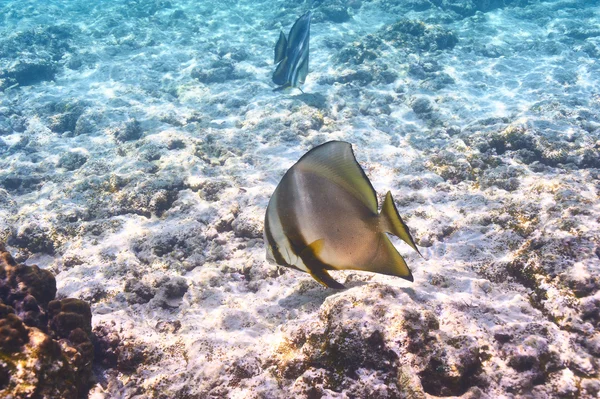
(280, 48)
(280, 74)
(297, 30)
(335, 162)
(393, 222)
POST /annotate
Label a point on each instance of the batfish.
(323, 216)
(291, 54)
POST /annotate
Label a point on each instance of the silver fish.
(291, 54)
(323, 216)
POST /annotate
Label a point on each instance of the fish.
(291, 54)
(323, 215)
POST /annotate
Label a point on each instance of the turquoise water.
(140, 141)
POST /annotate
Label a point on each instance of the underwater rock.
(27, 73)
(53, 357)
(415, 34)
(86, 124)
(360, 51)
(219, 72)
(51, 41)
(66, 121)
(337, 349)
(132, 130)
(170, 290)
(458, 8)
(361, 76)
(247, 225)
(504, 177)
(175, 287)
(33, 236)
(408, 36)
(107, 344)
(121, 196)
(72, 160)
(332, 11)
(138, 292)
(531, 145)
(422, 106)
(452, 167)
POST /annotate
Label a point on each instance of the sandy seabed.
(140, 142)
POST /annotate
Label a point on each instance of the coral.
(41, 358)
(26, 289)
(13, 333)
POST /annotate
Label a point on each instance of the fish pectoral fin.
(310, 257)
(313, 250)
(394, 223)
(387, 260)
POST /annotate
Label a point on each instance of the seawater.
(140, 142)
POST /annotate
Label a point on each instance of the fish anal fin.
(394, 224)
(280, 48)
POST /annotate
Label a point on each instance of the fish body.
(323, 216)
(291, 54)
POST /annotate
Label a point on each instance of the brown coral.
(41, 358)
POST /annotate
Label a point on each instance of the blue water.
(143, 139)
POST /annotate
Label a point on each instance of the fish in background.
(323, 216)
(291, 55)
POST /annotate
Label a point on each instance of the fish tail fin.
(393, 222)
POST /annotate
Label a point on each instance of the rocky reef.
(46, 348)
